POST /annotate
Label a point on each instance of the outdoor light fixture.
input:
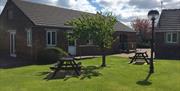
(153, 15)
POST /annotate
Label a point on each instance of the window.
(89, 42)
(171, 37)
(29, 37)
(10, 14)
(51, 38)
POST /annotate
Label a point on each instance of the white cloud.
(174, 4)
(82, 5)
(1, 8)
(125, 10)
(53, 1)
(121, 9)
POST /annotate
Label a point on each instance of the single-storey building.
(168, 35)
(27, 28)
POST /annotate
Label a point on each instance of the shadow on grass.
(90, 71)
(145, 82)
(43, 73)
(86, 73)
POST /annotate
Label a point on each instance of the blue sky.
(124, 10)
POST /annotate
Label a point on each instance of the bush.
(50, 55)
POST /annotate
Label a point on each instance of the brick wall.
(94, 50)
(39, 39)
(18, 23)
(164, 50)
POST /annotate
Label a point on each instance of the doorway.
(71, 44)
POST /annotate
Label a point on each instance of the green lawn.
(117, 76)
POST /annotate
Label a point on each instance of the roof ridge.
(47, 5)
(171, 9)
(48, 15)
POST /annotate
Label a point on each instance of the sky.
(124, 10)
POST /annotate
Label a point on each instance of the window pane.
(169, 37)
(174, 37)
(31, 37)
(28, 37)
(53, 37)
(49, 38)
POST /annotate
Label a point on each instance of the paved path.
(127, 55)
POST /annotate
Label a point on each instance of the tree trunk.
(103, 59)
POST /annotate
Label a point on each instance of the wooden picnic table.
(140, 55)
(66, 63)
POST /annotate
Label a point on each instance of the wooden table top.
(67, 58)
(141, 51)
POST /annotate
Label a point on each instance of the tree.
(142, 27)
(99, 28)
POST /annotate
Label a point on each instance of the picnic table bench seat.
(66, 63)
(140, 55)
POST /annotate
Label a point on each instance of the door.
(71, 45)
(13, 44)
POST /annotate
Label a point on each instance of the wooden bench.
(139, 55)
(66, 63)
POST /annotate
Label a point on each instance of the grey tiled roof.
(45, 15)
(169, 20)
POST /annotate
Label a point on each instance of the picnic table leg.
(56, 70)
(77, 66)
(145, 59)
(75, 63)
(74, 68)
(54, 74)
(146, 54)
(137, 55)
(133, 59)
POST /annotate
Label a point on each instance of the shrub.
(50, 55)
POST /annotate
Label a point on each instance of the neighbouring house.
(28, 28)
(168, 35)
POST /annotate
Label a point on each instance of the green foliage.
(50, 55)
(99, 28)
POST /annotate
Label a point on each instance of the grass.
(117, 76)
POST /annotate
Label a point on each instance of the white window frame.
(12, 53)
(51, 31)
(171, 39)
(29, 37)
